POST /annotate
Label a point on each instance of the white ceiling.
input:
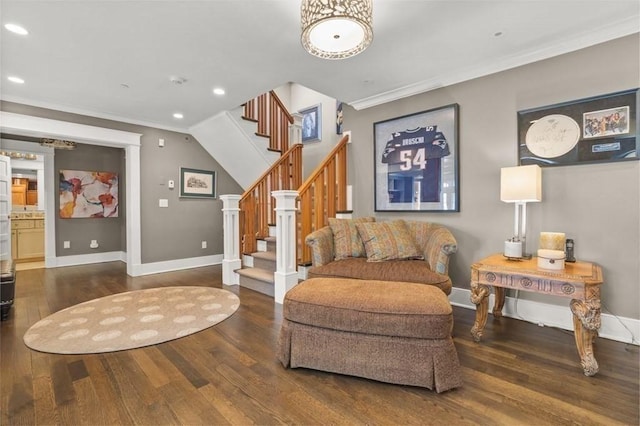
(79, 53)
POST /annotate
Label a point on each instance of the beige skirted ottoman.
(394, 332)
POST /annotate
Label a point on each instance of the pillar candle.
(552, 240)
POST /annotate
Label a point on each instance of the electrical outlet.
(66, 244)
(204, 244)
(94, 244)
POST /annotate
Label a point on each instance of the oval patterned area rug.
(131, 320)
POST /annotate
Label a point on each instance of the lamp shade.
(521, 184)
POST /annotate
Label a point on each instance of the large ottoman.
(394, 332)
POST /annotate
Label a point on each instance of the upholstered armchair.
(434, 243)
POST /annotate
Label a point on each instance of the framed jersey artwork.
(416, 162)
(593, 130)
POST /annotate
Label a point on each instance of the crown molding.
(93, 114)
(611, 31)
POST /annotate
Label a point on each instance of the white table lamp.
(520, 185)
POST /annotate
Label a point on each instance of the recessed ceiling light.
(498, 34)
(218, 91)
(15, 28)
(178, 115)
(15, 79)
(124, 85)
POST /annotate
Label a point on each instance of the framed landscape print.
(196, 183)
(416, 162)
(599, 129)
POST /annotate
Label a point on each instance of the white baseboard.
(143, 269)
(180, 264)
(559, 316)
(85, 259)
(303, 272)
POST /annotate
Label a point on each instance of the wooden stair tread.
(256, 274)
(265, 255)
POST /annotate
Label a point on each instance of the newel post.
(231, 230)
(286, 275)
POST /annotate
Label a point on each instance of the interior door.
(5, 208)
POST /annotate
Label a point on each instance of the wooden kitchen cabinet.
(27, 239)
(30, 243)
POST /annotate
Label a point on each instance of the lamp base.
(523, 257)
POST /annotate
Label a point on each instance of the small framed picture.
(339, 117)
(196, 183)
(312, 123)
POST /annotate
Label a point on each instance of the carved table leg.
(586, 322)
(479, 297)
(499, 292)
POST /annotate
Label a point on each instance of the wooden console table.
(579, 281)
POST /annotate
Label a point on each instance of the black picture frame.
(416, 162)
(196, 183)
(311, 123)
(591, 130)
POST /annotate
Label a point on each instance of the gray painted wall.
(598, 205)
(109, 232)
(169, 233)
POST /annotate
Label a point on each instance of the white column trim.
(231, 234)
(286, 275)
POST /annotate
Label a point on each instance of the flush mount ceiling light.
(336, 29)
(58, 144)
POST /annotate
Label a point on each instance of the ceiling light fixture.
(336, 29)
(15, 79)
(218, 91)
(178, 115)
(19, 155)
(15, 28)
(58, 144)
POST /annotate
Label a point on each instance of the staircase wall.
(230, 140)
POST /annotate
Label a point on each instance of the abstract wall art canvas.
(88, 194)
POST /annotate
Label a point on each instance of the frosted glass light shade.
(336, 29)
(521, 184)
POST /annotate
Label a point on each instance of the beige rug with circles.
(131, 320)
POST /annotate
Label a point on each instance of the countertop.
(27, 215)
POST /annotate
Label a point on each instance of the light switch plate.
(163, 202)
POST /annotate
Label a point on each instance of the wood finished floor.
(521, 374)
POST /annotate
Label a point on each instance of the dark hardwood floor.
(520, 374)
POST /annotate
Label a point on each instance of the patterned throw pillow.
(388, 241)
(346, 239)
